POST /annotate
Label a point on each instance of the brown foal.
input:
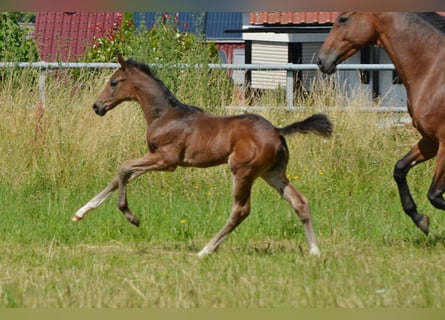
(184, 135)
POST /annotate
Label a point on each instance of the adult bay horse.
(184, 135)
(415, 42)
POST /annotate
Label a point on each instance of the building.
(296, 37)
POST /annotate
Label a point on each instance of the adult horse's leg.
(422, 151)
(278, 180)
(242, 187)
(437, 188)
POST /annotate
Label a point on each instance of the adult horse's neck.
(411, 45)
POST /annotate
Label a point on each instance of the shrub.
(14, 43)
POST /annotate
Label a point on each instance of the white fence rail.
(289, 67)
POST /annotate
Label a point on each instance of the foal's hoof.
(204, 252)
(314, 251)
(76, 218)
(134, 221)
(423, 222)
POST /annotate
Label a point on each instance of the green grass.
(372, 254)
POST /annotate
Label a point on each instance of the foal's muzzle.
(99, 108)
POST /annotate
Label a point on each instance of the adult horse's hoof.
(423, 223)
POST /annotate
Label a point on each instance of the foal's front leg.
(128, 171)
(96, 201)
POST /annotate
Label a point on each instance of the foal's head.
(350, 32)
(119, 88)
(135, 81)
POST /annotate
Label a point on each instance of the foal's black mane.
(434, 19)
(171, 97)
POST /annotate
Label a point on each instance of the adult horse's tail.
(317, 123)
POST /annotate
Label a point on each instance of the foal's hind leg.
(278, 180)
(422, 151)
(240, 210)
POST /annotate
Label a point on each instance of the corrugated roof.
(212, 24)
(63, 36)
(218, 22)
(257, 18)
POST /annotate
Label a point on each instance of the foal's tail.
(317, 123)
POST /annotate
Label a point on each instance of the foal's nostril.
(99, 108)
(318, 61)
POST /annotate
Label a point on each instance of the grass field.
(372, 254)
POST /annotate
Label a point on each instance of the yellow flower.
(183, 221)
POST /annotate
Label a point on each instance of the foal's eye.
(113, 83)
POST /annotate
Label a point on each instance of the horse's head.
(116, 91)
(350, 32)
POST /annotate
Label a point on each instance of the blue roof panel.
(211, 24)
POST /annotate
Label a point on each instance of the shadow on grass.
(171, 247)
(431, 241)
(271, 248)
(417, 240)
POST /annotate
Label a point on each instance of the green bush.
(14, 43)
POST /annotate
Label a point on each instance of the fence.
(290, 71)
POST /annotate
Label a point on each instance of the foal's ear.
(121, 60)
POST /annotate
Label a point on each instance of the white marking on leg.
(300, 204)
(91, 205)
(95, 201)
(204, 252)
(314, 250)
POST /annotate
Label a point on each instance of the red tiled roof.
(257, 18)
(65, 35)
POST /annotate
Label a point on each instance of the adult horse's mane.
(171, 97)
(434, 19)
